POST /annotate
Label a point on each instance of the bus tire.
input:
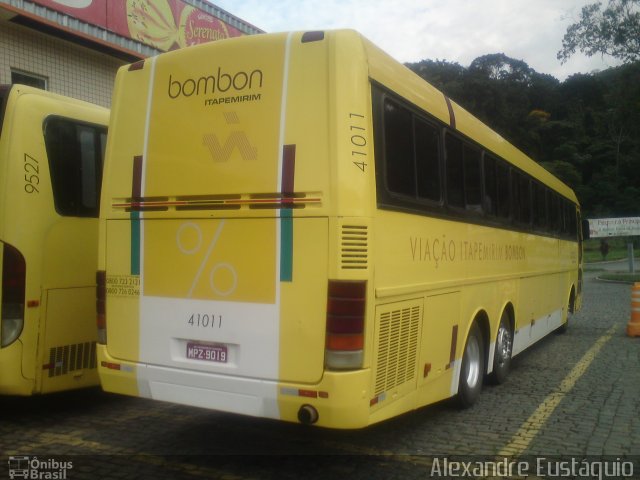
(503, 351)
(472, 369)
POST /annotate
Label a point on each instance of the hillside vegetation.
(585, 130)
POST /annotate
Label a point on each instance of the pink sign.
(163, 24)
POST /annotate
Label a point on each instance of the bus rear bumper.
(340, 398)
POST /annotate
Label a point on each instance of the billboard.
(162, 24)
(614, 227)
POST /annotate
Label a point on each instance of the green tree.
(614, 31)
(586, 129)
(497, 66)
(439, 73)
(564, 171)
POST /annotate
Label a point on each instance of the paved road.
(572, 394)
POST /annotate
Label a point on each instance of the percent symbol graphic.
(190, 226)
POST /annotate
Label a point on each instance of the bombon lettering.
(221, 82)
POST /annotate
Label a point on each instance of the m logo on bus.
(221, 151)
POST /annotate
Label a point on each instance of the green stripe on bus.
(286, 246)
(135, 243)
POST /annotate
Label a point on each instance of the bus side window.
(89, 165)
(540, 222)
(398, 150)
(472, 178)
(4, 93)
(490, 198)
(75, 151)
(503, 189)
(454, 171)
(521, 197)
(570, 220)
(427, 160)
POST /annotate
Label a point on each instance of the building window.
(29, 79)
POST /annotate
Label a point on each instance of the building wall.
(70, 69)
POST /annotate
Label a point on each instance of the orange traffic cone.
(633, 328)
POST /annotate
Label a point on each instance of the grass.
(617, 250)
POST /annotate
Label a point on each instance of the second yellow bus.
(51, 151)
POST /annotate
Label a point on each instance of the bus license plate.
(209, 353)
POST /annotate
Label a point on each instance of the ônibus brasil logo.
(37, 469)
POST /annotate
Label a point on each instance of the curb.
(605, 280)
(606, 262)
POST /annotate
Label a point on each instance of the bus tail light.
(14, 271)
(346, 305)
(101, 306)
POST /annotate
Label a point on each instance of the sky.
(452, 30)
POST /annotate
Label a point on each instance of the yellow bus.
(296, 226)
(51, 153)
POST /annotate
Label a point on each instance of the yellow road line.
(531, 427)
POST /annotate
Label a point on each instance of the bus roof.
(19, 89)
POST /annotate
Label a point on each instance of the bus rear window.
(76, 152)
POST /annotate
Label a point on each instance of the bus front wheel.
(472, 370)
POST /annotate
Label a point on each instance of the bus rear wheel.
(570, 309)
(472, 370)
(504, 349)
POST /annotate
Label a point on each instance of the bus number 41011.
(358, 140)
(204, 320)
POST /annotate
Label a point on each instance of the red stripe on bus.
(136, 187)
(288, 168)
(285, 201)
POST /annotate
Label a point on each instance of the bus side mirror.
(585, 229)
